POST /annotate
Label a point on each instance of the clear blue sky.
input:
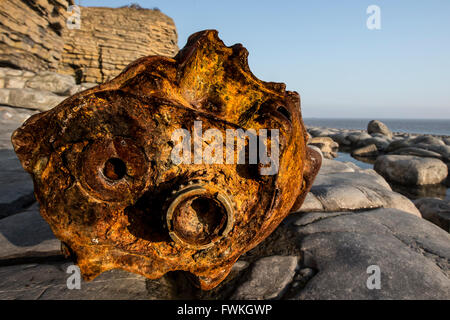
(323, 50)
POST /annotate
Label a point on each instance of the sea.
(423, 126)
(439, 127)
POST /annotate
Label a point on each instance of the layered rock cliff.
(109, 39)
(34, 36)
(31, 33)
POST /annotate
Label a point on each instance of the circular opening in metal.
(115, 169)
(197, 218)
(199, 221)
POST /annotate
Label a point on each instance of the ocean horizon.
(420, 126)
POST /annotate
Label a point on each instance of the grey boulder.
(411, 170)
(376, 126)
(327, 145)
(368, 151)
(436, 211)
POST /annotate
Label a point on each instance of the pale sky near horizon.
(324, 50)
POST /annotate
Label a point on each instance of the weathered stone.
(368, 151)
(27, 235)
(311, 204)
(376, 126)
(30, 33)
(108, 47)
(333, 166)
(319, 132)
(422, 142)
(355, 137)
(411, 170)
(51, 81)
(30, 98)
(427, 140)
(413, 151)
(436, 211)
(446, 140)
(341, 139)
(379, 142)
(328, 147)
(14, 83)
(49, 282)
(413, 255)
(398, 144)
(269, 278)
(443, 150)
(338, 187)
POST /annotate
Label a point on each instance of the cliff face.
(109, 39)
(30, 33)
(34, 36)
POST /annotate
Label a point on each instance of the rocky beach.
(394, 217)
(351, 219)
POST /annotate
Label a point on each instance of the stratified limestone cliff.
(109, 39)
(30, 33)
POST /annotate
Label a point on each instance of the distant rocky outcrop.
(110, 38)
(376, 126)
(31, 33)
(34, 37)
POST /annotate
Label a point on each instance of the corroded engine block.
(107, 183)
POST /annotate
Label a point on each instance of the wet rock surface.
(411, 170)
(436, 211)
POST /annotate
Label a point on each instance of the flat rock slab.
(16, 185)
(27, 235)
(269, 278)
(49, 282)
(342, 187)
(413, 255)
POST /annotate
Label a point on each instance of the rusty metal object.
(106, 183)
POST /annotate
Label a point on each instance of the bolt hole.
(115, 169)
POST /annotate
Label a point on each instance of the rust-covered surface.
(108, 187)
